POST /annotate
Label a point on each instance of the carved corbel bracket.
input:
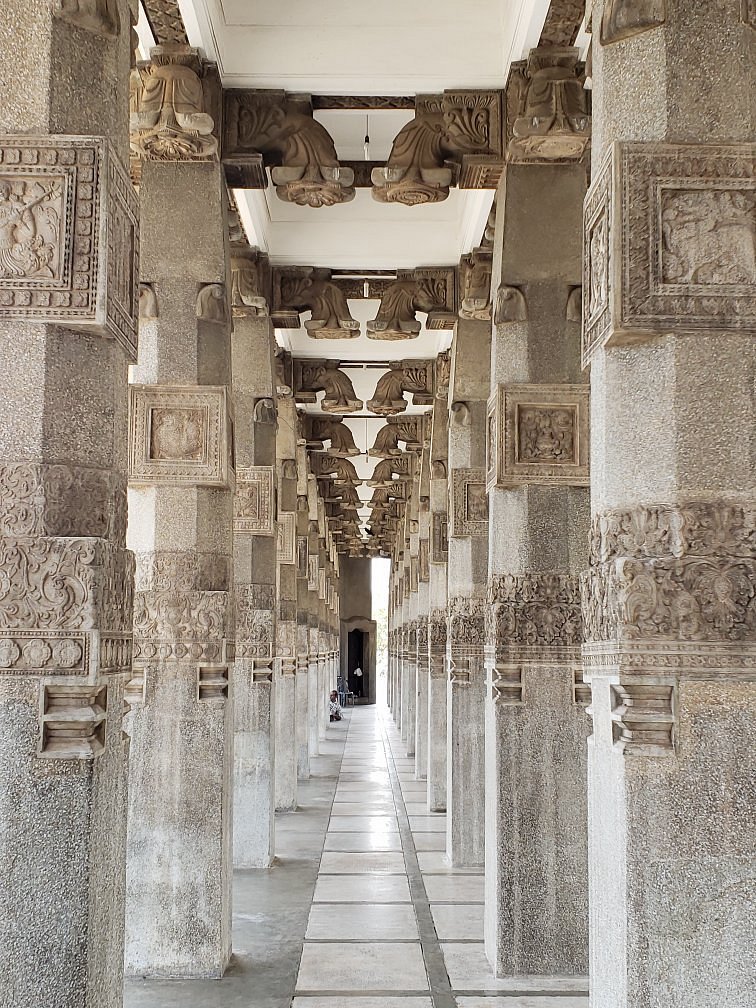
(318, 430)
(415, 376)
(298, 289)
(510, 306)
(313, 376)
(454, 137)
(475, 285)
(271, 128)
(429, 290)
(392, 470)
(174, 105)
(548, 108)
(406, 429)
(339, 470)
(250, 281)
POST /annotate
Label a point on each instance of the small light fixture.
(367, 137)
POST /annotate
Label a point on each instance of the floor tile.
(469, 969)
(361, 966)
(355, 1001)
(454, 888)
(362, 842)
(386, 863)
(363, 823)
(428, 823)
(458, 922)
(376, 807)
(415, 808)
(437, 863)
(361, 889)
(508, 1001)
(361, 921)
(429, 841)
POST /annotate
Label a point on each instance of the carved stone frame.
(209, 402)
(629, 218)
(254, 488)
(286, 543)
(505, 411)
(462, 523)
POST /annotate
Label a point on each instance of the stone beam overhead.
(272, 129)
(455, 138)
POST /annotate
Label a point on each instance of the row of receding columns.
(158, 702)
(598, 620)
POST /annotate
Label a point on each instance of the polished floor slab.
(362, 966)
(363, 921)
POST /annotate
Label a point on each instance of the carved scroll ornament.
(322, 429)
(168, 104)
(548, 116)
(408, 430)
(269, 125)
(391, 470)
(397, 316)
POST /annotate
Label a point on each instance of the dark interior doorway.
(357, 659)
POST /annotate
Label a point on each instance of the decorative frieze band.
(534, 618)
(466, 625)
(182, 625)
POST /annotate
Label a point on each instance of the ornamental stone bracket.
(250, 281)
(272, 129)
(455, 138)
(396, 468)
(175, 106)
(313, 376)
(431, 290)
(319, 430)
(180, 436)
(669, 243)
(548, 115)
(538, 434)
(70, 236)
(413, 376)
(475, 284)
(622, 19)
(409, 430)
(298, 289)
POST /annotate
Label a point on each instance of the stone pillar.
(286, 624)
(178, 921)
(437, 603)
(468, 558)
(421, 706)
(669, 320)
(536, 726)
(254, 573)
(302, 699)
(313, 684)
(68, 333)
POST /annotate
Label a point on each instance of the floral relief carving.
(539, 611)
(181, 616)
(58, 583)
(62, 500)
(49, 652)
(667, 572)
(466, 623)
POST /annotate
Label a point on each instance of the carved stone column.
(254, 576)
(313, 684)
(536, 727)
(468, 555)
(669, 321)
(423, 594)
(68, 317)
(178, 919)
(437, 601)
(286, 624)
(302, 700)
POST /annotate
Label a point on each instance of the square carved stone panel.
(538, 434)
(669, 243)
(469, 502)
(69, 236)
(253, 501)
(179, 435)
(286, 544)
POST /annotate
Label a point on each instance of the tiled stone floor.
(362, 909)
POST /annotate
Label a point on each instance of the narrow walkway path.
(361, 909)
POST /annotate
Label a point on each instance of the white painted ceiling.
(351, 47)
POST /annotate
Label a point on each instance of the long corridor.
(361, 909)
